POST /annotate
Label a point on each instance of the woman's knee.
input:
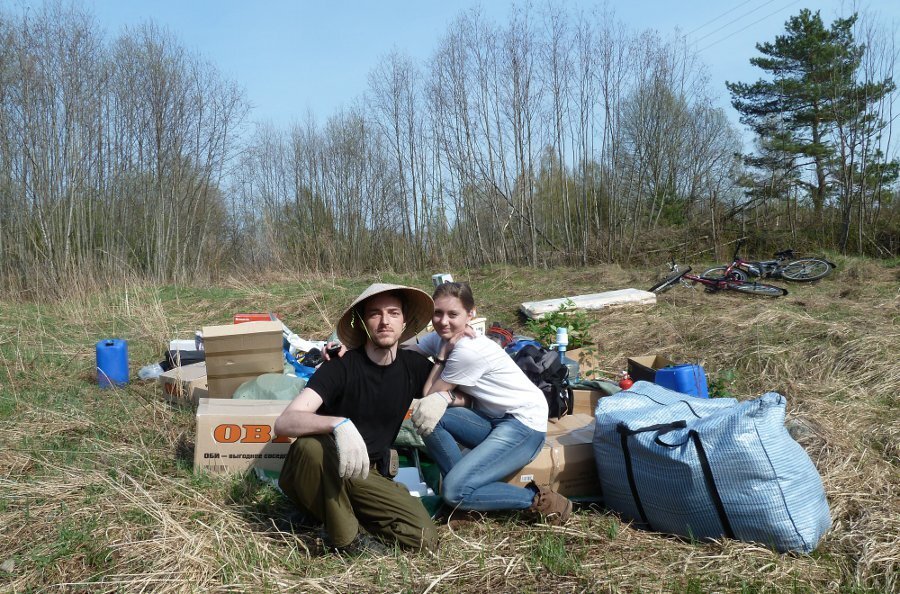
(455, 488)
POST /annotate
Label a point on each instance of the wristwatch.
(439, 360)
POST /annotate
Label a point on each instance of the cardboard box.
(584, 402)
(644, 368)
(236, 435)
(185, 385)
(236, 353)
(241, 318)
(588, 358)
(566, 462)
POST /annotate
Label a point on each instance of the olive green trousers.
(381, 506)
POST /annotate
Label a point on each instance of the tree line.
(554, 137)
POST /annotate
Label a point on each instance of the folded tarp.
(537, 309)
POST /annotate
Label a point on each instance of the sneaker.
(364, 544)
(551, 506)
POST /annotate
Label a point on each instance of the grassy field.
(97, 491)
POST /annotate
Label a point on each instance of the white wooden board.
(537, 309)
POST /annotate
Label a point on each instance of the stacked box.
(236, 435)
(644, 368)
(185, 385)
(566, 462)
(236, 353)
(584, 402)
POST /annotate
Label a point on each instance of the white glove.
(427, 412)
(353, 457)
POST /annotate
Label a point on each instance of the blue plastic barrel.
(686, 378)
(112, 362)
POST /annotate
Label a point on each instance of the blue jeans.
(498, 448)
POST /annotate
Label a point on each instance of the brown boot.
(553, 507)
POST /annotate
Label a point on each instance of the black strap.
(624, 432)
(662, 427)
(711, 484)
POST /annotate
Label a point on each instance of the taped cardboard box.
(566, 462)
(237, 435)
(236, 353)
(644, 368)
(185, 385)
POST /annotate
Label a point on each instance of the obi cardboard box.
(566, 462)
(236, 435)
(185, 385)
(644, 368)
(236, 353)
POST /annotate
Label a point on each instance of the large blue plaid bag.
(704, 468)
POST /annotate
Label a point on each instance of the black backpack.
(547, 372)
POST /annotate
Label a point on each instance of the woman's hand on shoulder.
(469, 332)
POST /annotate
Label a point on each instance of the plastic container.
(149, 372)
(112, 362)
(562, 341)
(562, 344)
(574, 369)
(686, 378)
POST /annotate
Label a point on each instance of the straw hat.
(418, 311)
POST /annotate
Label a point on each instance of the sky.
(293, 57)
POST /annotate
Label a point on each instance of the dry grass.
(97, 494)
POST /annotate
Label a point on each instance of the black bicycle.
(786, 265)
(715, 284)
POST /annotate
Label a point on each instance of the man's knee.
(309, 455)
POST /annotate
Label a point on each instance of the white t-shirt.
(487, 373)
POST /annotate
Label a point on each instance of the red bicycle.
(786, 265)
(715, 284)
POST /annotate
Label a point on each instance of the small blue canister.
(112, 362)
(686, 378)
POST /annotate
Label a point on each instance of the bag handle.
(625, 433)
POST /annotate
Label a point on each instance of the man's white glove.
(353, 457)
(428, 411)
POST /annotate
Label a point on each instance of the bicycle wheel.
(718, 273)
(670, 280)
(806, 269)
(761, 289)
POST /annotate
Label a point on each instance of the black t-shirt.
(374, 397)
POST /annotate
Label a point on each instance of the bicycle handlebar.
(737, 248)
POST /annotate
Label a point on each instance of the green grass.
(552, 553)
(97, 481)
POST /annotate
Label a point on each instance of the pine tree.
(802, 115)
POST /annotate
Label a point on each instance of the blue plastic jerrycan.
(686, 378)
(112, 362)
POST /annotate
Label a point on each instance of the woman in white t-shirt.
(478, 398)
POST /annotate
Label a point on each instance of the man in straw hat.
(346, 420)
